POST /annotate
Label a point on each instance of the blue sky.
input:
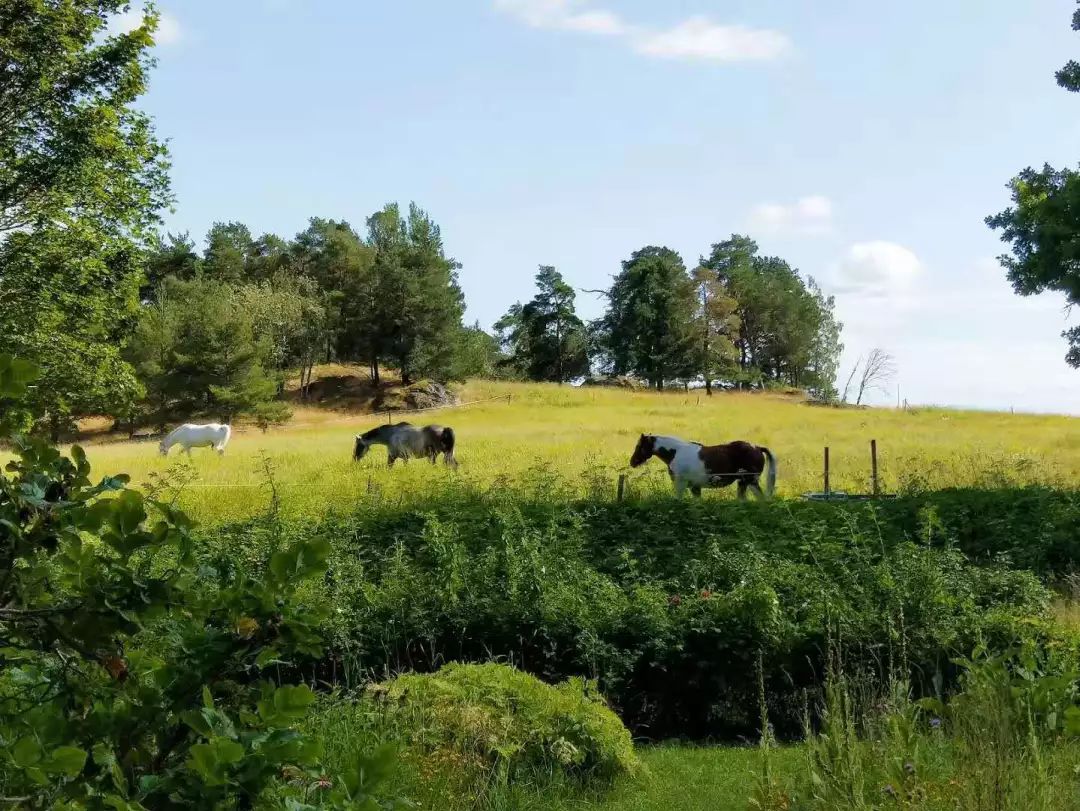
(864, 142)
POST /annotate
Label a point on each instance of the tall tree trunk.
(375, 371)
(708, 385)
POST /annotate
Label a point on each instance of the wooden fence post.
(873, 466)
(622, 486)
(827, 493)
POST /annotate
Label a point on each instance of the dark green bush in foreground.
(131, 676)
(669, 606)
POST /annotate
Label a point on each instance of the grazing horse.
(405, 440)
(190, 436)
(693, 465)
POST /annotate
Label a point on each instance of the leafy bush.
(512, 720)
(668, 606)
(131, 676)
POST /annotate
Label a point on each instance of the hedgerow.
(672, 607)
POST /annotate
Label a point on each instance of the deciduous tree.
(82, 178)
(716, 323)
(1042, 227)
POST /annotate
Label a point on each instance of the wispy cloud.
(810, 215)
(565, 15)
(701, 38)
(168, 31)
(696, 38)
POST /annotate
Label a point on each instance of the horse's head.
(361, 447)
(646, 447)
(163, 449)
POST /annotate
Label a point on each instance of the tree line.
(739, 319)
(219, 331)
(148, 328)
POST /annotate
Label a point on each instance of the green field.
(578, 440)
(675, 610)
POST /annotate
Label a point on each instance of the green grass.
(697, 778)
(585, 436)
(676, 778)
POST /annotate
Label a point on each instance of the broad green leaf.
(26, 753)
(292, 702)
(267, 656)
(128, 512)
(196, 720)
(229, 752)
(203, 760)
(67, 760)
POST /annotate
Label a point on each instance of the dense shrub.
(510, 720)
(133, 677)
(670, 607)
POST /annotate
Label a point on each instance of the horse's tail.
(447, 439)
(770, 478)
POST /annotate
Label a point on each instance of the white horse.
(190, 436)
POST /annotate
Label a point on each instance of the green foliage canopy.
(544, 339)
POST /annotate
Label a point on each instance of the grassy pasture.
(566, 441)
(556, 445)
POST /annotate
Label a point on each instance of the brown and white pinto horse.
(693, 465)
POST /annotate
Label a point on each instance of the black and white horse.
(693, 465)
(405, 440)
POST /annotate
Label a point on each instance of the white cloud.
(567, 15)
(696, 38)
(810, 215)
(168, 30)
(877, 269)
(701, 38)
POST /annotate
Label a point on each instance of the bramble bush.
(132, 675)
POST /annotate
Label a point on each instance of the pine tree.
(545, 338)
(648, 329)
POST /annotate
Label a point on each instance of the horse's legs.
(742, 490)
(696, 491)
(756, 488)
(680, 487)
(187, 449)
